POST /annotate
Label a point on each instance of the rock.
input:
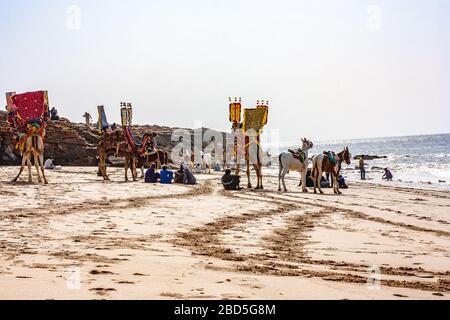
(75, 144)
(369, 157)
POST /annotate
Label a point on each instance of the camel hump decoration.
(28, 114)
(248, 136)
(120, 142)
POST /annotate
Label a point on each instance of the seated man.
(49, 164)
(342, 183)
(179, 175)
(166, 176)
(231, 181)
(387, 175)
(151, 175)
(188, 176)
(54, 114)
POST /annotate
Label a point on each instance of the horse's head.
(346, 156)
(306, 144)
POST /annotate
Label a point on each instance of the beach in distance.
(82, 238)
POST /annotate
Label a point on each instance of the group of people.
(182, 176)
(388, 176)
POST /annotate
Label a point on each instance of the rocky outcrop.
(368, 157)
(73, 144)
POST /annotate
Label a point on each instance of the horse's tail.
(280, 162)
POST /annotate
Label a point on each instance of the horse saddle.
(331, 156)
(298, 154)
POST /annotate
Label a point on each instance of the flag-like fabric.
(31, 106)
(254, 119)
(102, 121)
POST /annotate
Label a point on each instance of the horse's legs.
(283, 175)
(24, 161)
(319, 179)
(279, 176)
(303, 172)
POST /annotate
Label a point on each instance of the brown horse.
(35, 145)
(322, 163)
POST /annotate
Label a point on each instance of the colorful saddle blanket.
(331, 156)
(298, 155)
(28, 115)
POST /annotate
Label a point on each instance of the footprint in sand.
(100, 272)
(102, 291)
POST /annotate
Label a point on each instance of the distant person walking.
(88, 119)
(362, 168)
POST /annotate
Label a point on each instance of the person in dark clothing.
(387, 175)
(179, 175)
(151, 175)
(342, 183)
(189, 177)
(231, 181)
(362, 168)
(54, 114)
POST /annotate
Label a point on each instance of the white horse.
(287, 162)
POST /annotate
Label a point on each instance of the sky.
(331, 69)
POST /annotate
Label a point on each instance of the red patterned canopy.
(31, 105)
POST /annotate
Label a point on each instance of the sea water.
(415, 161)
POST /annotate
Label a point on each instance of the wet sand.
(139, 241)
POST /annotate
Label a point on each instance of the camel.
(287, 161)
(119, 150)
(34, 144)
(257, 165)
(322, 163)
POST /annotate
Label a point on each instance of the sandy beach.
(81, 238)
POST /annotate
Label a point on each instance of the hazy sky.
(331, 69)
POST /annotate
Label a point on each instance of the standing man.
(88, 119)
(362, 168)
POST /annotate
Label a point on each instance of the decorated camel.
(329, 162)
(295, 160)
(248, 137)
(27, 117)
(120, 142)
